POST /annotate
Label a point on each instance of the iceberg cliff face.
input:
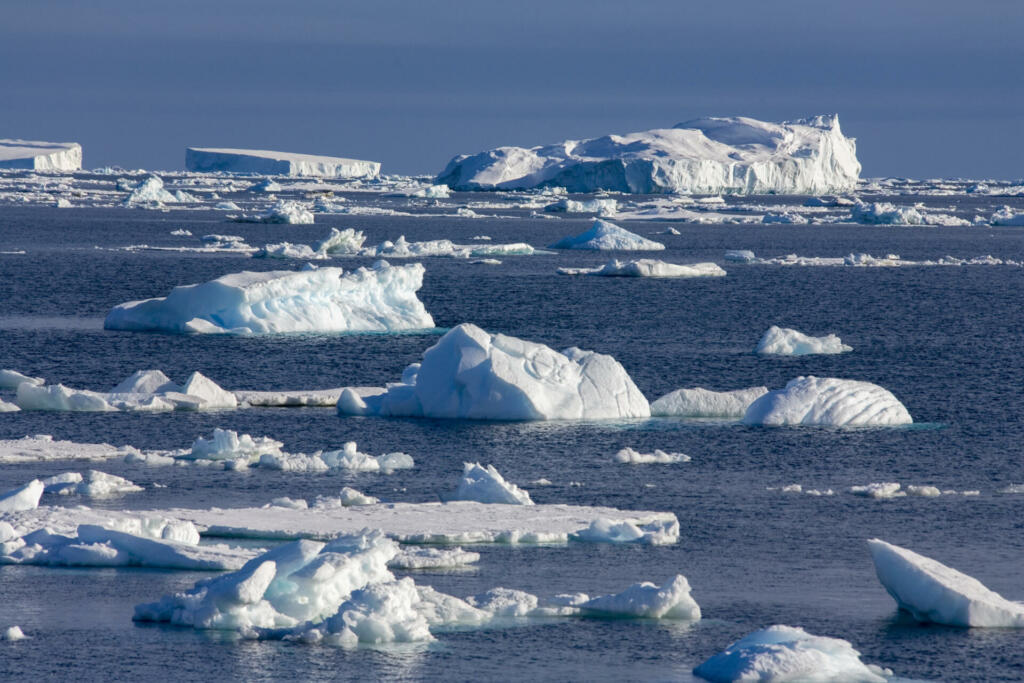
(40, 156)
(209, 159)
(378, 299)
(711, 155)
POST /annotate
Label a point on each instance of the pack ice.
(932, 592)
(265, 162)
(706, 156)
(471, 374)
(377, 299)
(606, 236)
(40, 156)
(782, 341)
(700, 402)
(827, 401)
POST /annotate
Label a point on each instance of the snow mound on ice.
(632, 457)
(704, 156)
(471, 374)
(782, 341)
(266, 162)
(486, 485)
(605, 236)
(648, 268)
(932, 592)
(40, 156)
(377, 299)
(827, 401)
(699, 402)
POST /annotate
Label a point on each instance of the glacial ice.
(782, 341)
(648, 268)
(700, 402)
(932, 592)
(40, 156)
(486, 485)
(633, 457)
(471, 374)
(606, 236)
(265, 162)
(377, 299)
(704, 156)
(787, 653)
(827, 401)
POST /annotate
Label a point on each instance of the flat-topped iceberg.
(265, 162)
(40, 156)
(932, 592)
(704, 156)
(648, 268)
(700, 402)
(828, 401)
(782, 341)
(787, 653)
(377, 299)
(606, 236)
(471, 374)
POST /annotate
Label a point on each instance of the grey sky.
(929, 88)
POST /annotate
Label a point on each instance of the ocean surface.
(947, 341)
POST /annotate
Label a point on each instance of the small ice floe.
(604, 235)
(181, 232)
(828, 401)
(785, 217)
(648, 268)
(602, 207)
(932, 592)
(632, 457)
(604, 530)
(433, 558)
(145, 390)
(486, 485)
(43, 447)
(13, 633)
(699, 402)
(346, 498)
(1007, 216)
(150, 191)
(10, 379)
(22, 498)
(93, 484)
(740, 256)
(892, 489)
(284, 211)
(347, 457)
(782, 341)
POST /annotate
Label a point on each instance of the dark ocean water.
(947, 341)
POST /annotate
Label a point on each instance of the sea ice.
(13, 633)
(699, 402)
(740, 256)
(265, 162)
(433, 558)
(377, 299)
(43, 447)
(782, 341)
(22, 498)
(145, 390)
(346, 458)
(40, 156)
(284, 211)
(227, 445)
(471, 374)
(632, 457)
(648, 268)
(602, 207)
(827, 401)
(94, 484)
(1007, 216)
(883, 213)
(604, 236)
(150, 191)
(6, 407)
(646, 600)
(606, 530)
(786, 217)
(10, 379)
(486, 485)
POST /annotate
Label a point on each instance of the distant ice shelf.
(40, 156)
(265, 162)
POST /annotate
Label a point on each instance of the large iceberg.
(207, 159)
(932, 592)
(828, 401)
(377, 299)
(700, 402)
(40, 156)
(708, 156)
(606, 236)
(782, 341)
(472, 374)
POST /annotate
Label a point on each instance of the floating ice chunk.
(144, 390)
(284, 211)
(603, 207)
(646, 600)
(14, 633)
(786, 217)
(40, 156)
(786, 653)
(94, 484)
(828, 401)
(146, 382)
(226, 444)
(43, 447)
(604, 530)
(150, 191)
(608, 236)
(265, 185)
(266, 162)
(883, 213)
(708, 155)
(884, 489)
(346, 458)
(308, 397)
(378, 299)
(347, 241)
(213, 397)
(700, 402)
(227, 206)
(782, 341)
(486, 485)
(1012, 489)
(288, 503)
(740, 255)
(433, 558)
(1007, 216)
(505, 602)
(10, 379)
(648, 268)
(6, 407)
(472, 374)
(632, 457)
(350, 496)
(22, 498)
(58, 397)
(829, 201)
(932, 592)
(433, 192)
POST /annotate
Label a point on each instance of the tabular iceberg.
(40, 156)
(782, 341)
(708, 156)
(828, 401)
(472, 374)
(700, 402)
(933, 592)
(377, 299)
(207, 159)
(608, 236)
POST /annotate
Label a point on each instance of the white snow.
(377, 299)
(22, 498)
(605, 236)
(471, 374)
(700, 402)
(486, 485)
(704, 156)
(932, 592)
(10, 379)
(787, 653)
(265, 162)
(646, 600)
(633, 457)
(828, 401)
(648, 268)
(782, 341)
(40, 156)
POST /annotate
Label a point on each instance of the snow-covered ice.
(150, 190)
(607, 236)
(40, 156)
(1007, 216)
(22, 498)
(486, 485)
(883, 213)
(633, 457)
(12, 633)
(646, 600)
(433, 558)
(782, 341)
(265, 162)
(285, 211)
(603, 207)
(347, 457)
(828, 401)
(10, 379)
(43, 447)
(699, 402)
(663, 531)
(93, 484)
(228, 446)
(143, 391)
(648, 268)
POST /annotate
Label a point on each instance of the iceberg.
(471, 374)
(10, 379)
(264, 162)
(377, 299)
(828, 401)
(699, 402)
(782, 341)
(932, 592)
(607, 236)
(150, 191)
(648, 268)
(703, 156)
(486, 485)
(40, 156)
(787, 653)
(13, 633)
(630, 456)
(883, 213)
(648, 601)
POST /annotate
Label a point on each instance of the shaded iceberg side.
(377, 299)
(710, 155)
(471, 374)
(40, 156)
(700, 402)
(782, 341)
(265, 162)
(828, 401)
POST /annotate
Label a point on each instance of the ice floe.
(603, 207)
(12, 633)
(284, 211)
(1007, 216)
(630, 456)
(606, 236)
(648, 268)
(827, 401)
(862, 260)
(226, 445)
(10, 379)
(43, 447)
(93, 484)
(433, 558)
(144, 391)
(699, 402)
(486, 485)
(258, 161)
(782, 341)
(40, 156)
(22, 498)
(647, 600)
(346, 458)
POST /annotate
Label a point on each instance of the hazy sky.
(930, 88)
